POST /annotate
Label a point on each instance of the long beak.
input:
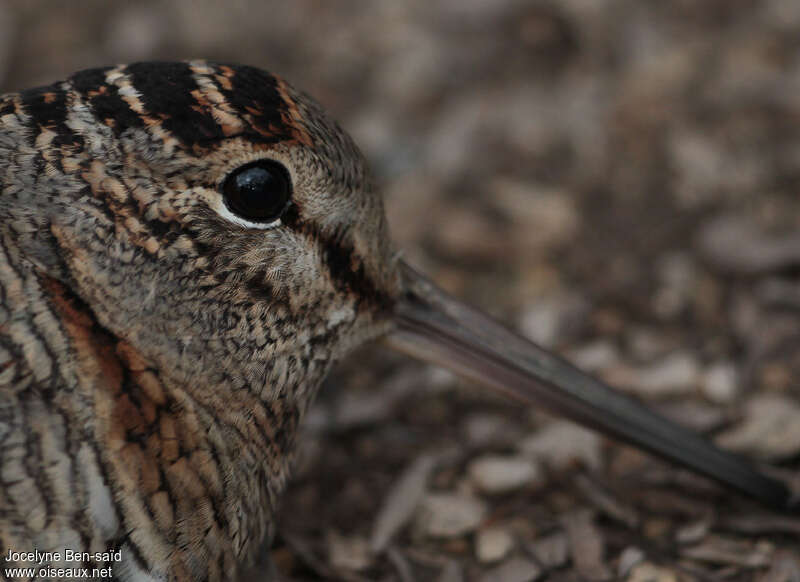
(432, 326)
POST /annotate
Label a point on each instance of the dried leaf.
(587, 545)
(514, 570)
(401, 502)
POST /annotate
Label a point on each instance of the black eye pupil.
(258, 192)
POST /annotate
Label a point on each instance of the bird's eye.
(258, 192)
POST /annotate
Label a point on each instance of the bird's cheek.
(340, 314)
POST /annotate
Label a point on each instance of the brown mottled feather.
(155, 356)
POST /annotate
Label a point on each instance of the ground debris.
(449, 515)
(760, 523)
(493, 544)
(785, 567)
(734, 244)
(501, 474)
(514, 570)
(648, 572)
(729, 552)
(402, 565)
(586, 545)
(451, 573)
(676, 374)
(561, 444)
(607, 503)
(401, 502)
(628, 559)
(551, 550)
(348, 553)
(770, 429)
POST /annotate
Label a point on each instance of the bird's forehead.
(197, 102)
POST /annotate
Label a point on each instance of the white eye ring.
(221, 209)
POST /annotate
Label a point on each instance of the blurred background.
(618, 179)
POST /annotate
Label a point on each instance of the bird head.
(211, 215)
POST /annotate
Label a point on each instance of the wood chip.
(355, 409)
(561, 444)
(693, 532)
(785, 567)
(348, 553)
(514, 570)
(450, 515)
(728, 552)
(551, 551)
(493, 544)
(402, 565)
(628, 559)
(649, 572)
(770, 430)
(607, 503)
(675, 375)
(763, 523)
(694, 415)
(451, 573)
(586, 544)
(401, 502)
(303, 551)
(495, 474)
(736, 245)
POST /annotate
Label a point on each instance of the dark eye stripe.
(346, 268)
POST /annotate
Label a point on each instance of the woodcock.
(185, 251)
